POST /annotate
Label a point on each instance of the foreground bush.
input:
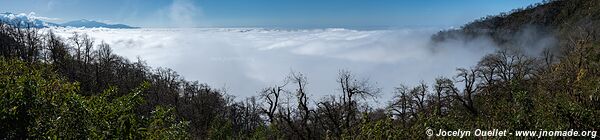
(38, 104)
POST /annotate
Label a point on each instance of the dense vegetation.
(75, 88)
(556, 17)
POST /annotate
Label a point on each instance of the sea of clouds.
(245, 60)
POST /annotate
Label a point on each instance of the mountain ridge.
(94, 24)
(25, 20)
(555, 17)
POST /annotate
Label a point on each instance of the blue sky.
(267, 13)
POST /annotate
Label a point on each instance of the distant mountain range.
(92, 24)
(27, 20)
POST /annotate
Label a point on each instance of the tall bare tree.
(353, 88)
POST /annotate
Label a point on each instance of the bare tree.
(470, 80)
(401, 106)
(419, 95)
(351, 88)
(330, 115)
(88, 45)
(272, 97)
(302, 100)
(441, 94)
(78, 44)
(504, 69)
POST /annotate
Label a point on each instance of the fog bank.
(244, 60)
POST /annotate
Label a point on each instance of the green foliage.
(261, 133)
(38, 104)
(378, 130)
(163, 125)
(221, 129)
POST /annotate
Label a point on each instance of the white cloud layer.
(246, 60)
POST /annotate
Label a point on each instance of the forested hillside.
(559, 18)
(77, 88)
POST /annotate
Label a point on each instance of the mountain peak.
(31, 21)
(24, 20)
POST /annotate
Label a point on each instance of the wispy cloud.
(34, 16)
(183, 13)
(50, 5)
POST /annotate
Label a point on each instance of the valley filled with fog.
(301, 70)
(245, 60)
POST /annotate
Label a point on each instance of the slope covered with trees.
(559, 18)
(76, 88)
